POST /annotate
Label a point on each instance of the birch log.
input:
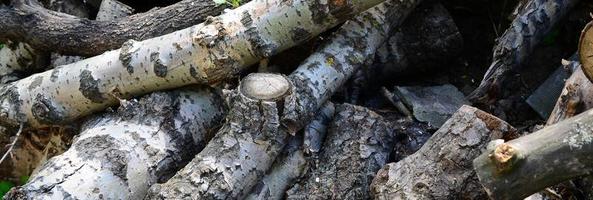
(527, 30)
(257, 125)
(314, 133)
(120, 155)
(17, 60)
(286, 169)
(206, 53)
(576, 97)
(521, 167)
(358, 145)
(442, 168)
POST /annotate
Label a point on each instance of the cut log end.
(264, 86)
(586, 50)
(503, 156)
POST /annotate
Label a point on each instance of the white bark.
(120, 155)
(113, 9)
(286, 169)
(257, 128)
(17, 60)
(205, 53)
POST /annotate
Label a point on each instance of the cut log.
(242, 150)
(286, 169)
(206, 53)
(527, 30)
(358, 145)
(257, 127)
(521, 167)
(442, 168)
(113, 9)
(50, 30)
(120, 155)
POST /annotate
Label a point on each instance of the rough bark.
(286, 169)
(206, 53)
(314, 133)
(576, 97)
(242, 150)
(112, 10)
(527, 30)
(29, 22)
(442, 168)
(72, 7)
(521, 167)
(357, 146)
(120, 155)
(253, 136)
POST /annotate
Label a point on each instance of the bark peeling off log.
(206, 53)
(526, 31)
(521, 167)
(242, 150)
(442, 168)
(252, 136)
(357, 146)
(120, 155)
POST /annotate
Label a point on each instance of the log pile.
(296, 99)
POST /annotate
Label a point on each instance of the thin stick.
(18, 134)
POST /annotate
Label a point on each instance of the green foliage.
(5, 187)
(1, 45)
(233, 3)
(23, 180)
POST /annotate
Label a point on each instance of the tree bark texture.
(252, 136)
(357, 146)
(527, 30)
(29, 22)
(17, 60)
(314, 133)
(119, 155)
(206, 53)
(521, 167)
(576, 97)
(442, 168)
(284, 172)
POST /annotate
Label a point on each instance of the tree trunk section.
(442, 168)
(120, 155)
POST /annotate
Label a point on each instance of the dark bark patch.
(54, 74)
(159, 68)
(260, 47)
(13, 97)
(45, 111)
(106, 148)
(89, 87)
(319, 11)
(300, 34)
(125, 55)
(36, 82)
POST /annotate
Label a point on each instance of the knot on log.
(503, 156)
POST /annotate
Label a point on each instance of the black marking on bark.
(12, 95)
(125, 55)
(36, 82)
(260, 47)
(300, 34)
(105, 147)
(159, 68)
(45, 111)
(193, 72)
(319, 11)
(89, 87)
(54, 74)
